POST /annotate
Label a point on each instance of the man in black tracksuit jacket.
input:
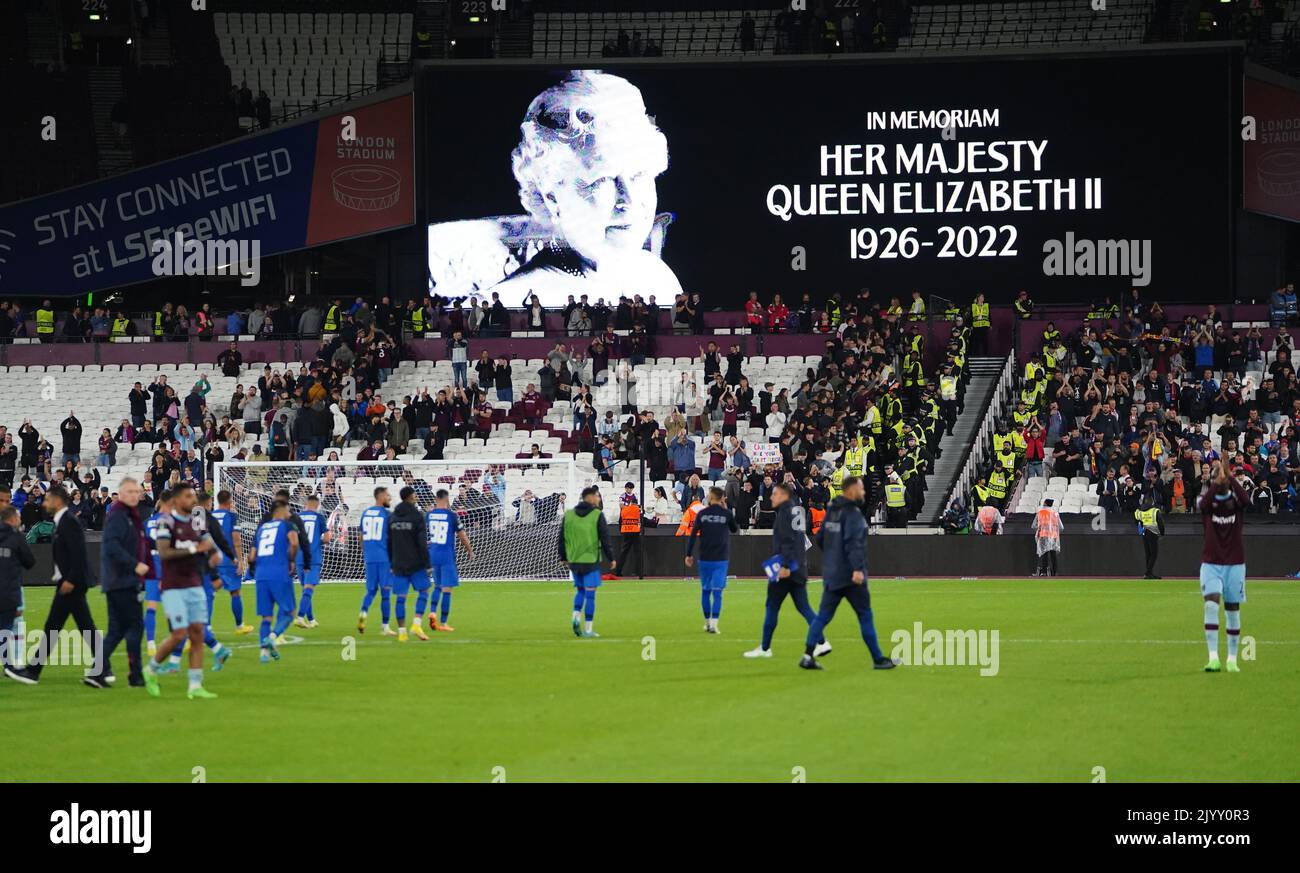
(15, 557)
(843, 541)
(790, 544)
(408, 555)
(73, 576)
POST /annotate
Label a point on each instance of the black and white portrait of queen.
(586, 167)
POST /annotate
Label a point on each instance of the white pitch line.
(560, 640)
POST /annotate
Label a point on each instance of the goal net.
(510, 509)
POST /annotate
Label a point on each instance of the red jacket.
(1033, 447)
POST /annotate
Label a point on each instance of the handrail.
(975, 449)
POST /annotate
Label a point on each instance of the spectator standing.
(231, 362)
(70, 429)
(458, 351)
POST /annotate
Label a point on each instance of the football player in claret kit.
(231, 573)
(211, 581)
(314, 525)
(183, 544)
(275, 549)
(444, 531)
(1223, 504)
(374, 552)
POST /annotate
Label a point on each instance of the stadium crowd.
(1138, 406)
(1142, 408)
(867, 408)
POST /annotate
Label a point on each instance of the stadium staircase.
(515, 38)
(42, 38)
(115, 156)
(156, 47)
(984, 373)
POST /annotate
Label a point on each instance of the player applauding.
(1223, 562)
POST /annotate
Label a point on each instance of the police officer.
(1151, 526)
(895, 499)
(979, 322)
(948, 397)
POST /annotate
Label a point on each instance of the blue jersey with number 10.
(443, 526)
(314, 524)
(225, 519)
(272, 551)
(374, 535)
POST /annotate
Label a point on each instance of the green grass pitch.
(1092, 674)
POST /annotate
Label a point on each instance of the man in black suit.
(73, 576)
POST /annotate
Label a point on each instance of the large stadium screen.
(1068, 177)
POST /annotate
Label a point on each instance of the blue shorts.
(713, 575)
(419, 580)
(378, 576)
(590, 579)
(185, 606)
(1226, 580)
(229, 575)
(272, 594)
(445, 576)
(310, 577)
(152, 590)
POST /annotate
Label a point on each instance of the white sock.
(577, 615)
(1212, 627)
(1233, 621)
(588, 627)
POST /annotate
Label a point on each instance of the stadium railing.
(978, 450)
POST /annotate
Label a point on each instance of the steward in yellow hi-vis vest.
(45, 323)
(1151, 526)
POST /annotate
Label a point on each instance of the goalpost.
(510, 509)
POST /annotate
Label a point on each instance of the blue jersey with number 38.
(443, 526)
